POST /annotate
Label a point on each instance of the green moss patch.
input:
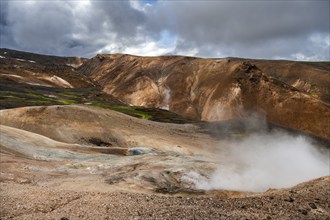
(129, 110)
(13, 95)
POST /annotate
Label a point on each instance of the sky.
(265, 29)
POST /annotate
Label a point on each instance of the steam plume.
(263, 161)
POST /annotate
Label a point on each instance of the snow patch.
(2, 57)
(74, 65)
(51, 96)
(22, 60)
(59, 81)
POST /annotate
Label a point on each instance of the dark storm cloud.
(43, 25)
(123, 18)
(67, 27)
(5, 30)
(244, 22)
(3, 13)
(234, 27)
(260, 29)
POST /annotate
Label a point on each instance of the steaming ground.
(106, 165)
(262, 161)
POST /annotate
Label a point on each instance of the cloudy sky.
(296, 30)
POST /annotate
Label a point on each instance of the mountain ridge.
(209, 90)
(288, 93)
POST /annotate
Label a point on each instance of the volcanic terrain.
(171, 137)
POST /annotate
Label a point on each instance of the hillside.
(290, 94)
(219, 89)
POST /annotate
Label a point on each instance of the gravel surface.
(49, 171)
(31, 201)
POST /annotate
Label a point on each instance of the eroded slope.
(211, 89)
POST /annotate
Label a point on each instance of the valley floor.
(81, 162)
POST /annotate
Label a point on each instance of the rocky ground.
(42, 201)
(107, 165)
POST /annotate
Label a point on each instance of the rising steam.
(266, 160)
(166, 99)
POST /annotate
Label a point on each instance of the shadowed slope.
(37, 69)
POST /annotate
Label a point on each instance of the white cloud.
(148, 49)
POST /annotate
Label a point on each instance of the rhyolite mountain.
(291, 94)
(287, 93)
